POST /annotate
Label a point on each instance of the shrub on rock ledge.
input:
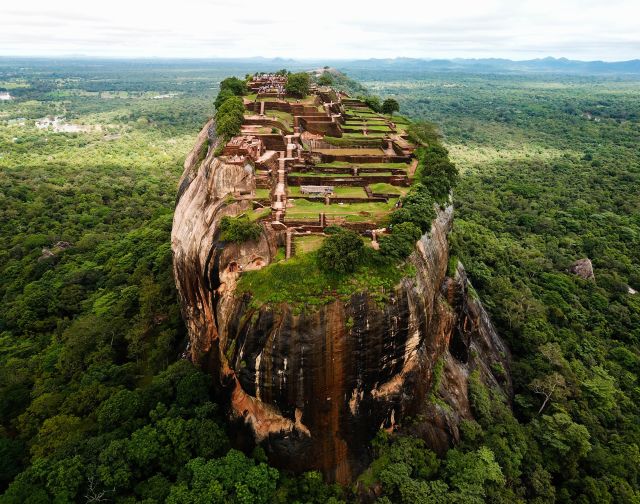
(239, 229)
(401, 242)
(236, 86)
(229, 117)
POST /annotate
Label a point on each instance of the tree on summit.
(341, 252)
(389, 106)
(237, 86)
(298, 84)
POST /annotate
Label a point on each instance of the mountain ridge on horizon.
(548, 64)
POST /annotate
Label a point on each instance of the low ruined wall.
(320, 126)
(268, 122)
(272, 141)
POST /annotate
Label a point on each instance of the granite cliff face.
(314, 388)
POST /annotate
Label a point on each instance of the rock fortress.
(313, 379)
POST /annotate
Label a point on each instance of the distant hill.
(493, 65)
(239, 65)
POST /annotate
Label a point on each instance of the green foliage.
(333, 229)
(401, 242)
(117, 409)
(437, 172)
(229, 117)
(424, 133)
(223, 96)
(304, 285)
(232, 478)
(341, 252)
(409, 473)
(390, 105)
(373, 102)
(479, 399)
(229, 88)
(239, 229)
(417, 208)
(298, 84)
(237, 87)
(469, 473)
(325, 79)
(563, 441)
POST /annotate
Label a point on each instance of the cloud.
(332, 29)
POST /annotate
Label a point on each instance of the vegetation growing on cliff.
(303, 283)
(229, 117)
(239, 229)
(341, 252)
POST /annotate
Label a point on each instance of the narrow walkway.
(412, 167)
(279, 200)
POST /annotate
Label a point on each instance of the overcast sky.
(517, 29)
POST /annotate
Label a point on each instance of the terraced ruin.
(324, 160)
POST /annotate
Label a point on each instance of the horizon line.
(315, 59)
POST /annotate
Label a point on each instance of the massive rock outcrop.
(313, 388)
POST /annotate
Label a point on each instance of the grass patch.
(350, 192)
(284, 117)
(320, 174)
(259, 213)
(345, 192)
(351, 212)
(362, 136)
(346, 164)
(303, 285)
(308, 100)
(352, 152)
(378, 173)
(362, 122)
(334, 164)
(388, 189)
(398, 119)
(384, 128)
(262, 193)
(363, 112)
(309, 243)
(346, 141)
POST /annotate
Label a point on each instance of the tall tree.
(389, 106)
(298, 84)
